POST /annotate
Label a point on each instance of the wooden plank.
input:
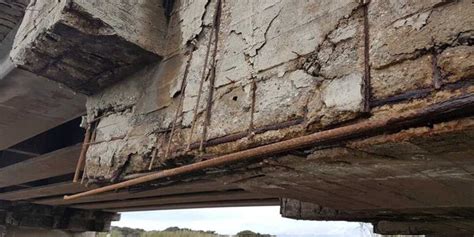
(236, 203)
(181, 188)
(56, 163)
(44, 191)
(175, 199)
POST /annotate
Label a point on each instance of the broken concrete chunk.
(87, 45)
(282, 97)
(424, 25)
(400, 78)
(457, 63)
(187, 23)
(113, 126)
(162, 85)
(345, 94)
(270, 34)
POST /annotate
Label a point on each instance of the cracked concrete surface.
(272, 67)
(240, 74)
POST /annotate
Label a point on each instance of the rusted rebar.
(252, 108)
(367, 79)
(82, 155)
(212, 78)
(92, 140)
(201, 83)
(178, 111)
(462, 103)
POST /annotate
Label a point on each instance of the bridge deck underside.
(425, 172)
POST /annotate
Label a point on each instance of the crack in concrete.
(257, 50)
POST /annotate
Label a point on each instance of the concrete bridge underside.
(136, 78)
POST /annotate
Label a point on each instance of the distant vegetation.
(172, 232)
(248, 233)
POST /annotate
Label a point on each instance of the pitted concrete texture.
(279, 69)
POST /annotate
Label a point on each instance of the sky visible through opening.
(231, 220)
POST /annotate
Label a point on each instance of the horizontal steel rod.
(458, 104)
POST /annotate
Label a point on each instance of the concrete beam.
(14, 214)
(389, 222)
(299, 210)
(438, 228)
(213, 204)
(27, 232)
(295, 209)
(31, 104)
(87, 45)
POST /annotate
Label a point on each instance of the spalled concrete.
(264, 76)
(241, 74)
(250, 91)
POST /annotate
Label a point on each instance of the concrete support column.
(28, 232)
(23, 219)
(3, 231)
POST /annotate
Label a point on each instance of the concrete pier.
(29, 232)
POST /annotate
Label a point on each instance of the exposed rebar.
(462, 103)
(82, 156)
(201, 83)
(212, 79)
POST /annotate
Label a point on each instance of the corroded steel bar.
(201, 83)
(212, 77)
(178, 109)
(367, 90)
(463, 103)
(92, 140)
(82, 156)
